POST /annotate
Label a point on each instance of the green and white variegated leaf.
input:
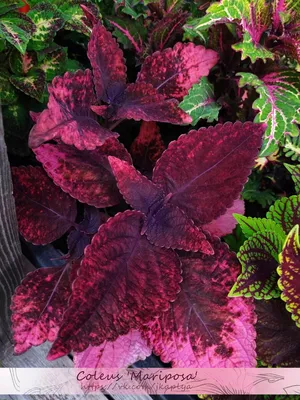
(219, 13)
(199, 103)
(259, 259)
(250, 225)
(48, 20)
(54, 63)
(289, 272)
(254, 51)
(292, 148)
(33, 84)
(17, 29)
(8, 94)
(278, 105)
(294, 170)
(286, 212)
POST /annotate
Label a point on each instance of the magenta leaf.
(86, 175)
(194, 168)
(166, 225)
(141, 101)
(108, 64)
(38, 305)
(174, 71)
(121, 353)
(205, 328)
(44, 212)
(225, 224)
(147, 147)
(123, 283)
(68, 116)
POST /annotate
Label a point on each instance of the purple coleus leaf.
(80, 237)
(123, 283)
(204, 328)
(69, 117)
(187, 190)
(86, 175)
(277, 341)
(121, 353)
(38, 305)
(174, 71)
(44, 211)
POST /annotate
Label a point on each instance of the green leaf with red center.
(33, 84)
(17, 29)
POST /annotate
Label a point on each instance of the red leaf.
(204, 327)
(225, 224)
(108, 64)
(174, 71)
(204, 171)
(121, 353)
(123, 282)
(68, 116)
(44, 212)
(38, 306)
(142, 102)
(85, 175)
(147, 147)
(166, 225)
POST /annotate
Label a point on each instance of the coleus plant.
(154, 277)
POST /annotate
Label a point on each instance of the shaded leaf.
(33, 84)
(254, 192)
(286, 212)
(278, 103)
(74, 16)
(259, 259)
(121, 353)
(130, 33)
(292, 148)
(123, 283)
(44, 212)
(9, 5)
(8, 93)
(278, 341)
(38, 306)
(250, 225)
(68, 116)
(236, 239)
(294, 170)
(200, 103)
(289, 271)
(174, 71)
(85, 175)
(203, 327)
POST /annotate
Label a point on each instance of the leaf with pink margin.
(204, 171)
(123, 283)
(141, 101)
(174, 71)
(225, 224)
(68, 116)
(166, 225)
(121, 353)
(204, 328)
(86, 175)
(277, 341)
(289, 272)
(147, 147)
(44, 212)
(108, 64)
(38, 305)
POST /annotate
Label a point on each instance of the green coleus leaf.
(8, 94)
(54, 63)
(253, 192)
(286, 212)
(134, 8)
(292, 148)
(48, 20)
(21, 64)
(294, 170)
(10, 5)
(254, 51)
(250, 225)
(278, 105)
(289, 272)
(199, 103)
(33, 84)
(17, 29)
(130, 33)
(236, 239)
(259, 259)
